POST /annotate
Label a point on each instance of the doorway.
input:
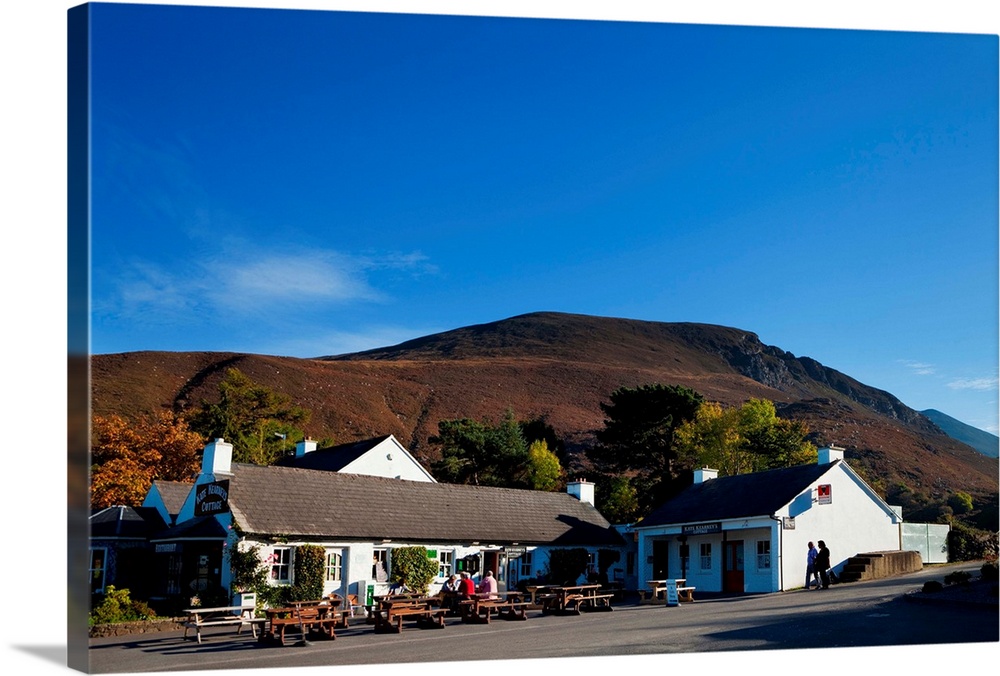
(661, 566)
(732, 566)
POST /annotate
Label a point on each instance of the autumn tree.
(255, 419)
(127, 456)
(743, 439)
(617, 499)
(544, 471)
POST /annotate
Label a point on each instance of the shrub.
(970, 544)
(989, 572)
(117, 606)
(932, 586)
(567, 565)
(958, 577)
(412, 567)
(310, 561)
(248, 570)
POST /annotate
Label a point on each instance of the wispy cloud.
(988, 383)
(242, 280)
(918, 368)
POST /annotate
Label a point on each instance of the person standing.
(811, 572)
(823, 564)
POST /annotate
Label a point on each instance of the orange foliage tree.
(127, 456)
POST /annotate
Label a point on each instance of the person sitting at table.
(488, 587)
(466, 587)
(449, 593)
(450, 585)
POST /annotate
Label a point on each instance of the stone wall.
(139, 627)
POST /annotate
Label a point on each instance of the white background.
(33, 388)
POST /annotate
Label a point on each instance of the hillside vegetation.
(562, 367)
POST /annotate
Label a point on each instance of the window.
(98, 566)
(706, 556)
(591, 562)
(525, 562)
(281, 564)
(630, 563)
(763, 554)
(380, 565)
(445, 561)
(334, 567)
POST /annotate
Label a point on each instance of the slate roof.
(740, 496)
(198, 528)
(334, 458)
(174, 493)
(122, 522)
(300, 502)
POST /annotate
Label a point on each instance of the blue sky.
(307, 183)
(921, 317)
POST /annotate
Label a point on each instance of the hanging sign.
(212, 498)
(823, 492)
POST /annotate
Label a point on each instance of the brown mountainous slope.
(562, 367)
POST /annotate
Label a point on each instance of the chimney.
(829, 454)
(304, 446)
(218, 458)
(704, 474)
(582, 490)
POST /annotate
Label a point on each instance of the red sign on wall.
(825, 494)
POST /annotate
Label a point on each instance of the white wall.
(388, 459)
(854, 522)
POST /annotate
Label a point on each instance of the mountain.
(560, 366)
(984, 442)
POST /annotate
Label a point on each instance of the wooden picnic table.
(320, 618)
(539, 593)
(388, 615)
(572, 599)
(221, 616)
(479, 609)
(658, 591)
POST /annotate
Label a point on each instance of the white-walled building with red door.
(750, 532)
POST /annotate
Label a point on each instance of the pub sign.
(212, 498)
(825, 494)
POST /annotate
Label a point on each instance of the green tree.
(463, 452)
(544, 471)
(618, 499)
(638, 437)
(539, 429)
(960, 502)
(739, 440)
(413, 567)
(255, 419)
(482, 453)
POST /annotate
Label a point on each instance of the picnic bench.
(221, 616)
(581, 597)
(308, 618)
(658, 591)
(389, 615)
(478, 610)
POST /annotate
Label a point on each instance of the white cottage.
(381, 456)
(749, 533)
(360, 519)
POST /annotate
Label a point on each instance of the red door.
(732, 569)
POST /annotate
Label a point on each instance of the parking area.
(856, 615)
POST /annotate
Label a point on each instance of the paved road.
(859, 614)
